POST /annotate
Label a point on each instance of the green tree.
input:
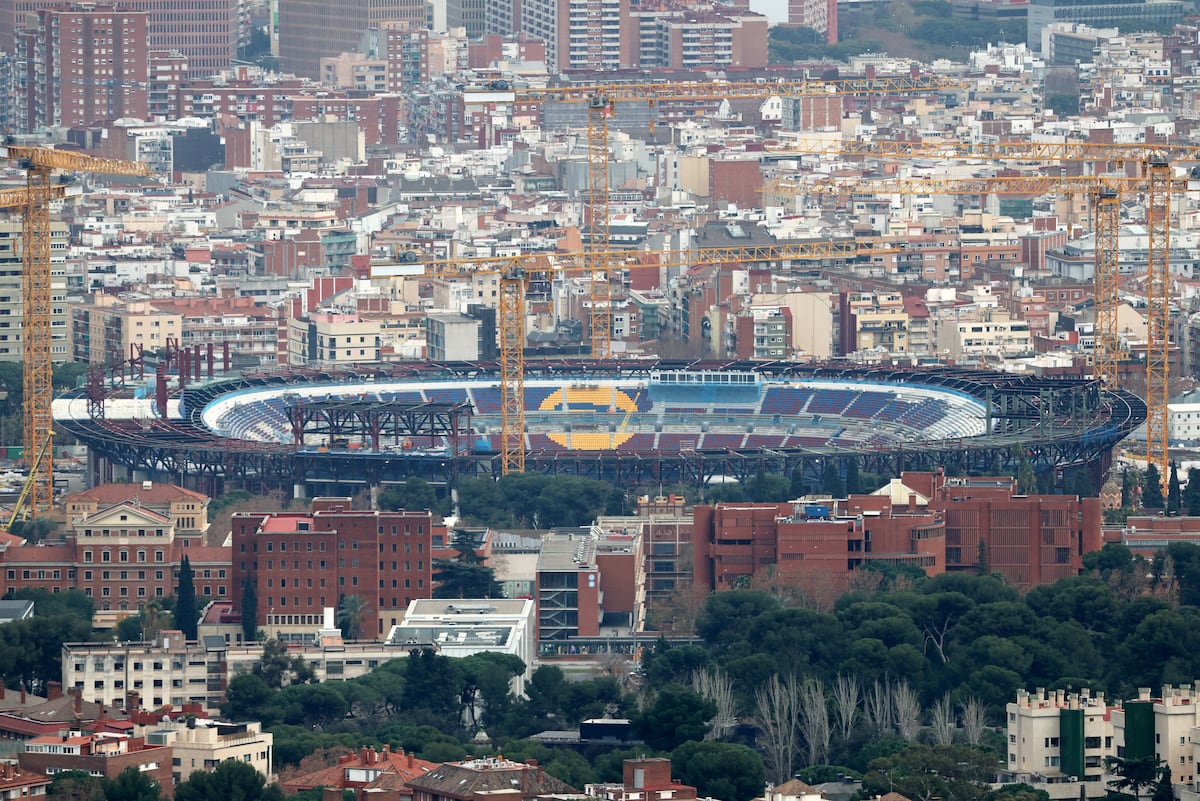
(431, 689)
(1131, 487)
(1064, 104)
(1017, 792)
(131, 784)
(922, 772)
(467, 543)
(1163, 789)
(1134, 775)
(831, 482)
(720, 770)
(278, 668)
(1191, 493)
(75, 785)
(1026, 477)
(231, 780)
(247, 697)
(415, 493)
(1152, 497)
(1174, 495)
(146, 625)
(853, 480)
(186, 615)
(456, 580)
(352, 611)
(676, 716)
(249, 609)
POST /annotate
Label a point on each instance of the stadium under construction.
(630, 423)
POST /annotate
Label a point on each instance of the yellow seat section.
(589, 440)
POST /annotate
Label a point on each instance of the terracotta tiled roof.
(111, 494)
(398, 769)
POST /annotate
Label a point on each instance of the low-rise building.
(369, 774)
(17, 784)
(1059, 741)
(200, 744)
(98, 754)
(479, 778)
(462, 627)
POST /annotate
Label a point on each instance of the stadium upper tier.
(610, 414)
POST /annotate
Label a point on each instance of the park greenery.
(900, 680)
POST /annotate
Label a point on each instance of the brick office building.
(928, 520)
(302, 563)
(812, 544)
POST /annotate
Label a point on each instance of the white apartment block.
(1058, 740)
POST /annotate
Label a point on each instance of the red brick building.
(100, 754)
(812, 544)
(16, 783)
(644, 779)
(123, 547)
(302, 563)
(927, 520)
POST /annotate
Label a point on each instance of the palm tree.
(351, 611)
(154, 620)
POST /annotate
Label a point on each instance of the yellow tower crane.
(514, 271)
(1156, 181)
(34, 199)
(601, 100)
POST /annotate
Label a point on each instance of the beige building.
(983, 332)
(1058, 741)
(880, 323)
(200, 744)
(331, 339)
(187, 510)
(355, 71)
(105, 325)
(12, 312)
(812, 320)
(172, 671)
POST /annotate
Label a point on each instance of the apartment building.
(200, 744)
(205, 32)
(17, 784)
(879, 322)
(173, 671)
(310, 30)
(105, 327)
(84, 63)
(1058, 740)
(302, 563)
(12, 311)
(587, 576)
(255, 335)
(813, 545)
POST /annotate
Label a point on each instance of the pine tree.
(853, 482)
(249, 609)
(1174, 495)
(1152, 497)
(185, 601)
(831, 483)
